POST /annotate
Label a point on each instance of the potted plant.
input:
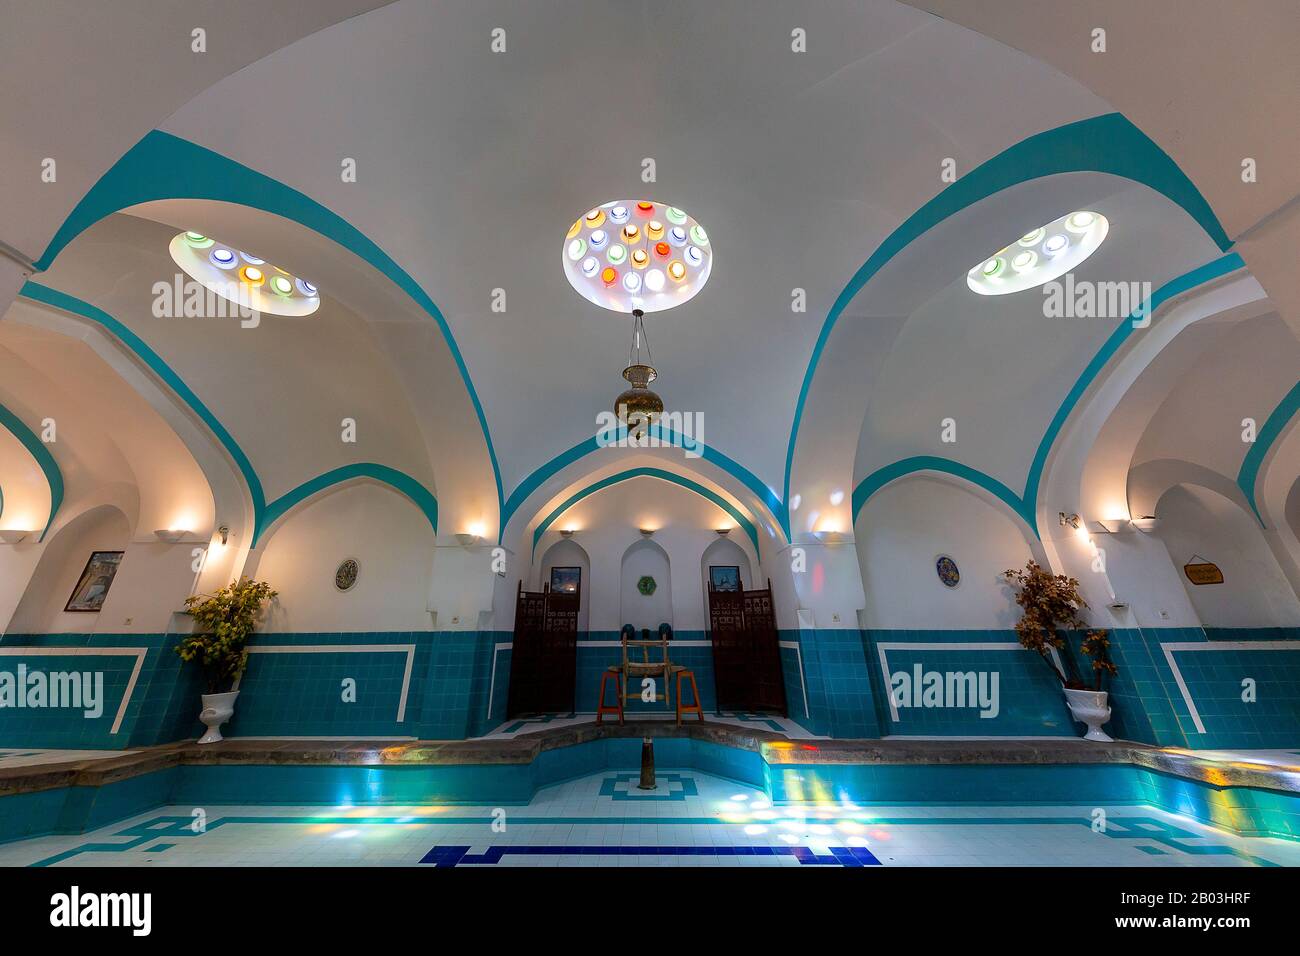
(1051, 603)
(224, 622)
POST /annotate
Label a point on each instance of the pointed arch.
(397, 480)
(741, 518)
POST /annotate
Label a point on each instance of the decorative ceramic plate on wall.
(949, 573)
(345, 576)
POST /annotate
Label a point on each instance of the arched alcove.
(1196, 521)
(901, 533)
(724, 553)
(645, 558)
(65, 558)
(567, 553)
(382, 530)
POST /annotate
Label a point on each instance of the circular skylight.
(637, 254)
(242, 277)
(1047, 253)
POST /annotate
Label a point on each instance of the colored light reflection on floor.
(690, 819)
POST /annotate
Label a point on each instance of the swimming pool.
(783, 777)
(691, 818)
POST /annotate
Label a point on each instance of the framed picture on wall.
(566, 580)
(92, 587)
(724, 577)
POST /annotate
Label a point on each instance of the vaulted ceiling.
(470, 165)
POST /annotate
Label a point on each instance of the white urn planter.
(219, 708)
(1089, 707)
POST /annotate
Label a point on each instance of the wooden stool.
(602, 708)
(694, 708)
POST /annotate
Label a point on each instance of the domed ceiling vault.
(469, 166)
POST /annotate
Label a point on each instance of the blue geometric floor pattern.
(447, 856)
(690, 819)
(623, 786)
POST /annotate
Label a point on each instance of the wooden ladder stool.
(616, 672)
(695, 708)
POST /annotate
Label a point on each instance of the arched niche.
(1197, 521)
(41, 610)
(567, 553)
(643, 558)
(904, 528)
(369, 522)
(724, 553)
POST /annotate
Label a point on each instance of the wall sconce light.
(171, 535)
(225, 534)
(14, 535)
(1070, 521)
(467, 539)
(566, 533)
(723, 531)
(646, 532)
(1146, 524)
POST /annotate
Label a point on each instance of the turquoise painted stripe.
(1026, 506)
(1248, 476)
(1209, 272)
(1105, 144)
(907, 466)
(659, 473)
(69, 303)
(50, 467)
(263, 515)
(399, 480)
(578, 451)
(163, 166)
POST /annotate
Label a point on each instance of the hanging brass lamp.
(638, 407)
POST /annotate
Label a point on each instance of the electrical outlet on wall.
(1164, 615)
(835, 619)
(455, 619)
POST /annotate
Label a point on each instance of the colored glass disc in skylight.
(644, 245)
(242, 277)
(1039, 256)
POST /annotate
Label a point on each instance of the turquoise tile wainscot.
(138, 692)
(1028, 701)
(1183, 687)
(432, 685)
(828, 686)
(1229, 688)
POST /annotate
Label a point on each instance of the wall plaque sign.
(1202, 571)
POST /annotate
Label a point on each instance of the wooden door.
(730, 648)
(543, 662)
(746, 654)
(767, 680)
(559, 653)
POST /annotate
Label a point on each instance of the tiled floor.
(690, 819)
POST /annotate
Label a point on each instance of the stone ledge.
(775, 749)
